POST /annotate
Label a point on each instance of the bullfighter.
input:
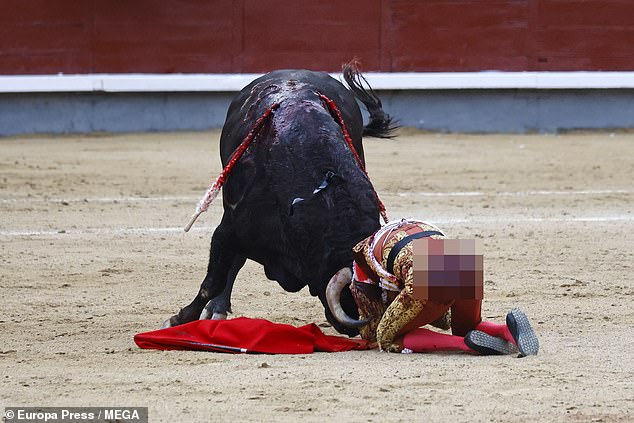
(382, 284)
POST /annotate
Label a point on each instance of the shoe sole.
(523, 333)
(486, 344)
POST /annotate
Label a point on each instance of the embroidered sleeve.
(404, 308)
(368, 308)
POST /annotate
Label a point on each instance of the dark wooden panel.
(36, 38)
(597, 49)
(155, 36)
(459, 35)
(51, 62)
(310, 34)
(44, 11)
(237, 36)
(605, 14)
(592, 34)
(27, 44)
(70, 36)
(148, 47)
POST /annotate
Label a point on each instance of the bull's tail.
(381, 125)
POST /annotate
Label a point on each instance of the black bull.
(297, 200)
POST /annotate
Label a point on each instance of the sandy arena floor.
(92, 252)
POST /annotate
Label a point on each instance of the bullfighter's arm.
(370, 307)
(403, 309)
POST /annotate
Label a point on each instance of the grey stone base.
(471, 111)
(513, 111)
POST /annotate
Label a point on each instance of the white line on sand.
(101, 231)
(440, 221)
(514, 193)
(99, 199)
(194, 199)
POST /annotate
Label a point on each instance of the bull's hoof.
(186, 315)
(209, 313)
(171, 322)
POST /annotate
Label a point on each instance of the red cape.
(245, 335)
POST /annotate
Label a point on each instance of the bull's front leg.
(223, 260)
(218, 307)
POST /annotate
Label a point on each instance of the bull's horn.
(333, 296)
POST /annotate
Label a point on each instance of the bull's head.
(324, 198)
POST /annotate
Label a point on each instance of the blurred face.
(447, 269)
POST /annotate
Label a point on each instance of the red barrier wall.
(221, 36)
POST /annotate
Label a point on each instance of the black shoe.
(522, 332)
(486, 344)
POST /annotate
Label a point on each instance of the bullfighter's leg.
(218, 307)
(425, 340)
(517, 331)
(222, 258)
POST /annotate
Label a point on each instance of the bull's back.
(279, 87)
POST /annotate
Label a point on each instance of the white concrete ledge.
(378, 80)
